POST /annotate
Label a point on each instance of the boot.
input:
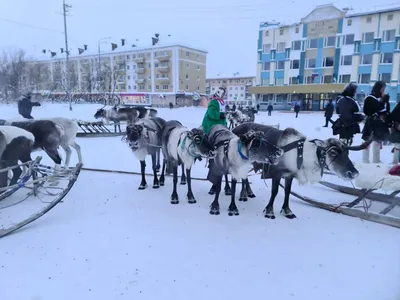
(396, 153)
(376, 153)
(365, 155)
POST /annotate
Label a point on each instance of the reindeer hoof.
(251, 195)
(192, 201)
(269, 214)
(228, 192)
(244, 199)
(183, 182)
(288, 214)
(142, 187)
(174, 201)
(212, 191)
(233, 213)
(162, 183)
(214, 211)
(156, 186)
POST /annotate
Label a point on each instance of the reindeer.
(130, 114)
(183, 146)
(236, 118)
(144, 138)
(234, 155)
(16, 144)
(303, 159)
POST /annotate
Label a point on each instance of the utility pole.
(65, 10)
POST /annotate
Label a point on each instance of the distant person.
(171, 106)
(270, 108)
(328, 113)
(234, 107)
(227, 108)
(258, 107)
(25, 106)
(297, 109)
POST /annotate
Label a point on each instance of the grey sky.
(227, 29)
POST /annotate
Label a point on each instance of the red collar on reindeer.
(220, 100)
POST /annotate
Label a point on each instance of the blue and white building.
(311, 61)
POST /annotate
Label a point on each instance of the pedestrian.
(297, 109)
(270, 108)
(328, 113)
(25, 105)
(258, 107)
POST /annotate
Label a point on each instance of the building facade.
(155, 75)
(311, 61)
(237, 89)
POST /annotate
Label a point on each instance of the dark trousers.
(26, 116)
(327, 120)
(269, 113)
(297, 114)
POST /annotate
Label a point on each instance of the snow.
(107, 240)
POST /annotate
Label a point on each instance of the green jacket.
(212, 116)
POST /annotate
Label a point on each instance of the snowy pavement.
(107, 240)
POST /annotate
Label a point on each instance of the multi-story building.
(311, 61)
(237, 89)
(153, 75)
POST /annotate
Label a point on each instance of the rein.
(191, 146)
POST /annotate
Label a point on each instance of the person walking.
(297, 109)
(25, 106)
(270, 108)
(328, 113)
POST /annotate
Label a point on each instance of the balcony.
(139, 59)
(163, 79)
(163, 69)
(140, 70)
(162, 57)
(140, 80)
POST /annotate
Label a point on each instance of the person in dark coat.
(25, 106)
(394, 121)
(297, 109)
(349, 115)
(234, 107)
(270, 108)
(328, 113)
(375, 105)
(171, 106)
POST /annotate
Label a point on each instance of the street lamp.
(101, 41)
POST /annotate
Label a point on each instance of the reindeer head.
(200, 145)
(136, 136)
(100, 113)
(260, 150)
(334, 155)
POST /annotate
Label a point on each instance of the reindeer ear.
(318, 142)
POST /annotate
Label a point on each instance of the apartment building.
(311, 61)
(154, 75)
(237, 89)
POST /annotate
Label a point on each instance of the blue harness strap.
(239, 149)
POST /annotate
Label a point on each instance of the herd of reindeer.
(248, 146)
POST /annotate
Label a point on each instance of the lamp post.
(99, 42)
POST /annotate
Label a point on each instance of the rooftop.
(229, 77)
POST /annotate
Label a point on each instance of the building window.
(187, 87)
(366, 59)
(157, 87)
(127, 57)
(369, 19)
(198, 78)
(198, 68)
(346, 60)
(349, 22)
(187, 66)
(141, 86)
(309, 79)
(368, 37)
(127, 67)
(311, 62)
(348, 39)
(198, 88)
(281, 31)
(187, 53)
(279, 81)
(389, 35)
(266, 66)
(266, 33)
(364, 78)
(387, 58)
(312, 44)
(296, 45)
(297, 30)
(328, 61)
(129, 87)
(345, 78)
(330, 41)
(165, 87)
(129, 77)
(266, 48)
(134, 87)
(187, 76)
(295, 64)
(327, 79)
(280, 65)
(281, 47)
(293, 80)
(149, 87)
(385, 77)
(390, 17)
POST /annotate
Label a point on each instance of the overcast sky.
(228, 30)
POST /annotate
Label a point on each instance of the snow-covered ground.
(107, 240)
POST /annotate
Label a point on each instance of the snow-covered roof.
(229, 76)
(369, 11)
(127, 48)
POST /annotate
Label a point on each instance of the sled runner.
(96, 129)
(39, 189)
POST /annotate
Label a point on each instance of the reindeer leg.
(227, 188)
(174, 195)
(158, 160)
(156, 184)
(269, 209)
(250, 193)
(285, 207)
(243, 192)
(214, 208)
(190, 196)
(183, 177)
(143, 183)
(119, 127)
(162, 177)
(233, 210)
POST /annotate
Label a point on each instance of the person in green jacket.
(215, 113)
